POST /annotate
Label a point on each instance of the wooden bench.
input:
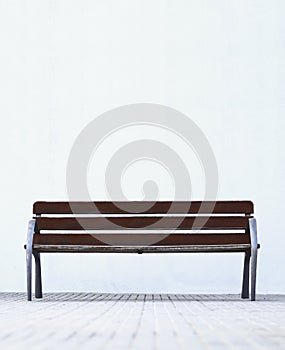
(225, 226)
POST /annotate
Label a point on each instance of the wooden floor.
(138, 321)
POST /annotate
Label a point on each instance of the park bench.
(116, 227)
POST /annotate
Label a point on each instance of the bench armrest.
(253, 233)
(30, 235)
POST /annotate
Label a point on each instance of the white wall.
(62, 63)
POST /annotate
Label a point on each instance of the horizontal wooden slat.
(140, 239)
(230, 248)
(117, 223)
(161, 207)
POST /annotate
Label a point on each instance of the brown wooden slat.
(99, 223)
(140, 239)
(161, 207)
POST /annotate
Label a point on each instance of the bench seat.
(142, 249)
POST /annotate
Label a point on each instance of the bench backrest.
(120, 223)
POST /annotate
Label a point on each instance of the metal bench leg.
(29, 274)
(253, 273)
(253, 237)
(29, 252)
(39, 292)
(245, 280)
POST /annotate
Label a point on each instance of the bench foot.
(245, 280)
(38, 280)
